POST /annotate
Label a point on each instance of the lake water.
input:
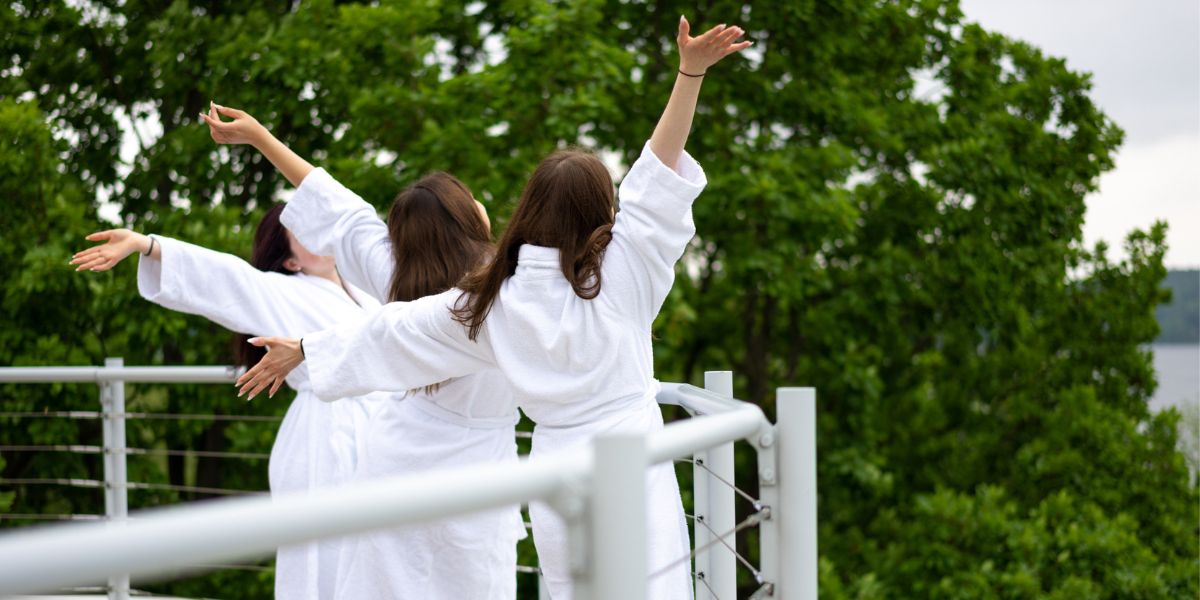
(1178, 367)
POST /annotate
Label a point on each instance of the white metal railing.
(599, 492)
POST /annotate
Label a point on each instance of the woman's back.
(572, 360)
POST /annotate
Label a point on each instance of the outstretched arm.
(696, 55)
(246, 130)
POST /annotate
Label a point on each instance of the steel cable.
(700, 463)
(742, 559)
(700, 577)
(750, 521)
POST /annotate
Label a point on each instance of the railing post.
(796, 509)
(714, 506)
(116, 492)
(618, 511)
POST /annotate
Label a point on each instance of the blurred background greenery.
(893, 216)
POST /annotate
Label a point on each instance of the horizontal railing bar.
(127, 374)
(37, 517)
(683, 438)
(93, 483)
(156, 451)
(222, 531)
(698, 400)
(86, 414)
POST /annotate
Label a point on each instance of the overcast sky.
(1144, 57)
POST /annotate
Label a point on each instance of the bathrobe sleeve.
(327, 218)
(650, 233)
(218, 286)
(400, 347)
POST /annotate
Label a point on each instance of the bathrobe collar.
(538, 262)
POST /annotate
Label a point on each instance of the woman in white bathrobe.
(436, 233)
(287, 291)
(564, 311)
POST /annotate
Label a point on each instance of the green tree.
(893, 216)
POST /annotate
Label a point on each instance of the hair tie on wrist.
(689, 74)
(302, 349)
(148, 252)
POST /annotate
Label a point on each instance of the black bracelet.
(151, 250)
(689, 74)
(302, 349)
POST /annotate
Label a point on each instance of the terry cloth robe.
(579, 368)
(468, 420)
(318, 443)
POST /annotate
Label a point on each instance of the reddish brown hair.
(438, 236)
(568, 205)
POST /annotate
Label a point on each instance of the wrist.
(692, 68)
(260, 137)
(144, 243)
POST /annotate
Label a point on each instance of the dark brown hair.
(270, 250)
(567, 204)
(438, 236)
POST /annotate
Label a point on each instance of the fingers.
(96, 263)
(263, 341)
(737, 48)
(100, 235)
(255, 379)
(250, 374)
(711, 34)
(684, 28)
(259, 384)
(230, 112)
(728, 36)
(275, 388)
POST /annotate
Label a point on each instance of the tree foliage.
(893, 216)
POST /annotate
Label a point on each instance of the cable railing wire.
(87, 414)
(742, 559)
(700, 577)
(92, 483)
(101, 450)
(700, 463)
(750, 521)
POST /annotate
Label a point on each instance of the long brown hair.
(567, 204)
(438, 236)
(270, 250)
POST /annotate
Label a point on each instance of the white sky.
(1144, 57)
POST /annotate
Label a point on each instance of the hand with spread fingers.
(283, 356)
(697, 54)
(118, 244)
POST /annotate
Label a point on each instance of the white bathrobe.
(318, 443)
(578, 367)
(469, 420)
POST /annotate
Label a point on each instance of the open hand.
(118, 244)
(243, 130)
(697, 54)
(283, 356)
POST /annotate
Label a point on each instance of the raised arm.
(696, 55)
(327, 218)
(245, 129)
